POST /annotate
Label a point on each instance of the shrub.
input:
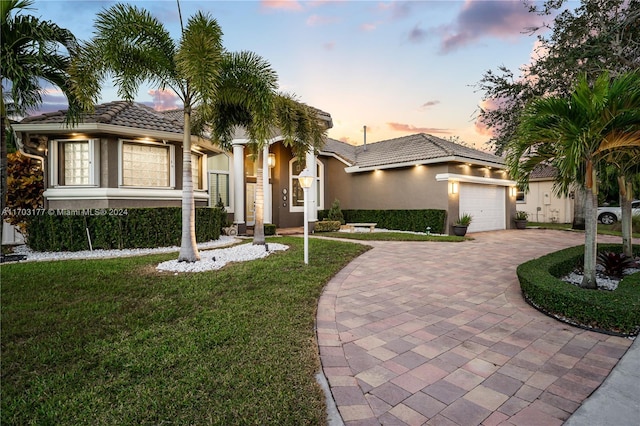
(327, 226)
(399, 220)
(335, 214)
(269, 229)
(614, 263)
(66, 230)
(612, 311)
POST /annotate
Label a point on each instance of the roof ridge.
(437, 141)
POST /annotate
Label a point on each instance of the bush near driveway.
(106, 342)
(615, 311)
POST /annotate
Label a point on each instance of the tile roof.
(118, 113)
(406, 149)
(543, 172)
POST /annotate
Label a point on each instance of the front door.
(250, 203)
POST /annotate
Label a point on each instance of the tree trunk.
(590, 235)
(579, 196)
(626, 198)
(188, 246)
(3, 172)
(258, 229)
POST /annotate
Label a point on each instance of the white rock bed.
(603, 282)
(105, 254)
(215, 259)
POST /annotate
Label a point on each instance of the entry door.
(250, 202)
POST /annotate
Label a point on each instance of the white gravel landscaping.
(210, 259)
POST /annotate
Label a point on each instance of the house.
(540, 201)
(128, 155)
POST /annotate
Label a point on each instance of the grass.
(115, 342)
(391, 236)
(613, 229)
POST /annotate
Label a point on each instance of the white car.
(609, 215)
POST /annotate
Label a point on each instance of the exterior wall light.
(271, 161)
(513, 191)
(455, 187)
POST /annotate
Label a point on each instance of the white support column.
(238, 184)
(313, 190)
(267, 209)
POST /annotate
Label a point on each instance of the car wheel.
(608, 218)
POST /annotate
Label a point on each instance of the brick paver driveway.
(438, 333)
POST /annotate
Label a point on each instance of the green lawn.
(115, 342)
(602, 229)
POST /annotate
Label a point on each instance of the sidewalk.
(437, 333)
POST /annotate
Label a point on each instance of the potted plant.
(521, 219)
(461, 224)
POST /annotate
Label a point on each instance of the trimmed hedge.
(327, 226)
(616, 312)
(399, 220)
(66, 230)
(269, 229)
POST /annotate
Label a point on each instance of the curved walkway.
(438, 333)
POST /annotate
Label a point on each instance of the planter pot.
(459, 230)
(521, 224)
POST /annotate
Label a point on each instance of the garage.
(486, 203)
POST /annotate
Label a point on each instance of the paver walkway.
(439, 334)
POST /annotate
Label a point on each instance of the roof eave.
(437, 160)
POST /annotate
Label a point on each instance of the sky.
(396, 67)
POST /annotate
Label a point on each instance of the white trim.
(113, 129)
(84, 193)
(474, 179)
(340, 159)
(452, 158)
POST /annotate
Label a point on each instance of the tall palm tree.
(33, 52)
(134, 47)
(574, 134)
(265, 114)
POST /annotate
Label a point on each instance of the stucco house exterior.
(540, 202)
(128, 155)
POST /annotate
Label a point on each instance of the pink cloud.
(329, 45)
(410, 128)
(317, 20)
(291, 5)
(369, 26)
(481, 128)
(164, 100)
(479, 19)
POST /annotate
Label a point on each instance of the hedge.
(400, 220)
(327, 226)
(66, 230)
(616, 312)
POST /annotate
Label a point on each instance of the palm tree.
(135, 47)
(31, 51)
(265, 114)
(574, 134)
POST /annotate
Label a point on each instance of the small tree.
(25, 186)
(335, 213)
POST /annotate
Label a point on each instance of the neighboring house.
(128, 155)
(540, 202)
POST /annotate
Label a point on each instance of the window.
(297, 193)
(74, 162)
(147, 165)
(520, 196)
(218, 168)
(196, 169)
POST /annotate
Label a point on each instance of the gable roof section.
(543, 172)
(117, 113)
(420, 148)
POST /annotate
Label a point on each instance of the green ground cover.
(115, 342)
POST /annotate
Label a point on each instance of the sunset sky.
(398, 67)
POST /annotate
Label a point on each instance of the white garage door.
(486, 203)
